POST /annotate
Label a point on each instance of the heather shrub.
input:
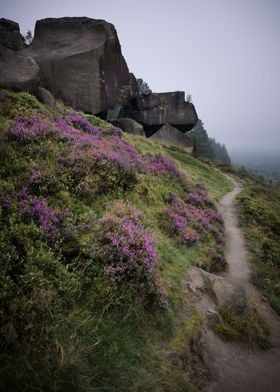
(93, 173)
(79, 122)
(191, 220)
(93, 160)
(44, 180)
(178, 224)
(160, 164)
(28, 129)
(128, 253)
(14, 104)
(37, 208)
(199, 197)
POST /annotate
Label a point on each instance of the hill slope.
(98, 231)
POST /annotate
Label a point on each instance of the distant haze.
(225, 53)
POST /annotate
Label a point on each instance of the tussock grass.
(248, 327)
(259, 212)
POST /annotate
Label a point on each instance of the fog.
(225, 53)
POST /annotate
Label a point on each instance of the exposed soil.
(237, 367)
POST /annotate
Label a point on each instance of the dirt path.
(235, 367)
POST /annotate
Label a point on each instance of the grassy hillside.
(259, 204)
(98, 231)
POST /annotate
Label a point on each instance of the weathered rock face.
(156, 109)
(171, 135)
(10, 35)
(225, 293)
(81, 63)
(46, 97)
(18, 70)
(130, 126)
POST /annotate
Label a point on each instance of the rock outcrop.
(226, 293)
(130, 126)
(79, 61)
(46, 97)
(10, 35)
(171, 135)
(156, 109)
(18, 70)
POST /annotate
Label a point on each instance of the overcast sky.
(225, 53)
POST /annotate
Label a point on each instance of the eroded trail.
(235, 367)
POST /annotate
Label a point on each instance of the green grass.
(196, 171)
(248, 327)
(259, 211)
(69, 328)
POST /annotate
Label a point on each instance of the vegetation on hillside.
(259, 205)
(97, 232)
(143, 87)
(206, 147)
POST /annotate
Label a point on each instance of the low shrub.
(28, 129)
(128, 253)
(192, 217)
(13, 104)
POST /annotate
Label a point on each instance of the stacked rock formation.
(156, 109)
(79, 61)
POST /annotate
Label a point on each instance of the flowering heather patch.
(101, 156)
(178, 224)
(128, 155)
(200, 197)
(189, 220)
(214, 215)
(79, 122)
(36, 207)
(160, 164)
(43, 180)
(112, 147)
(76, 135)
(129, 254)
(26, 129)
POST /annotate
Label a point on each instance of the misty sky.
(225, 53)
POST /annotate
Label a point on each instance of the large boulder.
(156, 109)
(226, 293)
(46, 97)
(18, 70)
(171, 135)
(10, 35)
(130, 126)
(81, 63)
